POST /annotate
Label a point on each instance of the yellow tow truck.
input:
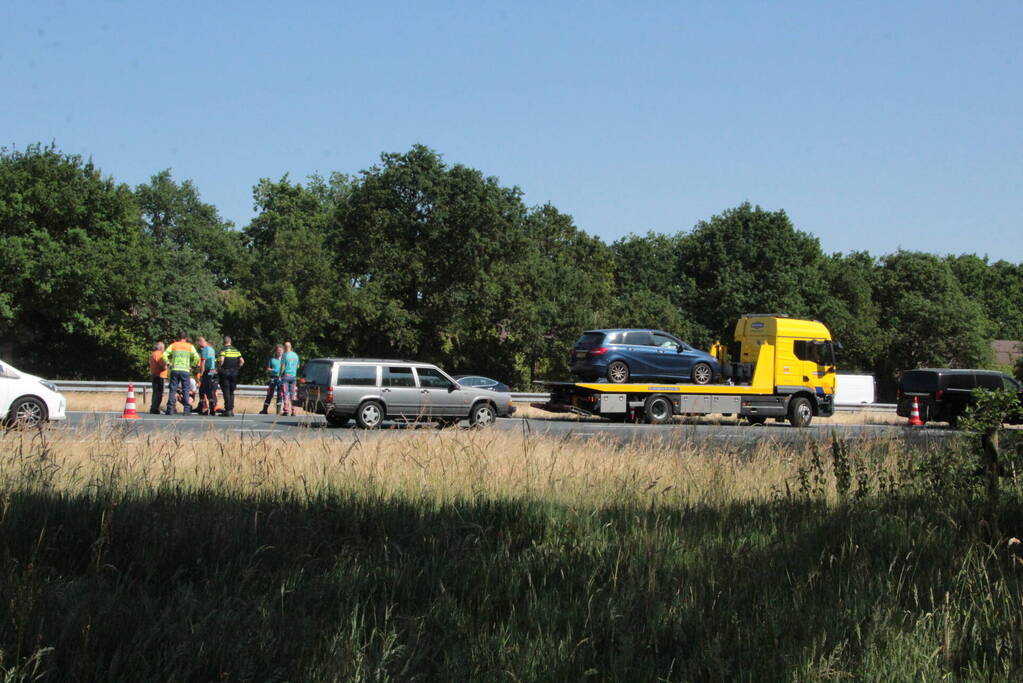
(777, 367)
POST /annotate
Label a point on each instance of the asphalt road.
(305, 426)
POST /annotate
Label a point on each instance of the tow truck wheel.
(702, 373)
(657, 410)
(800, 412)
(618, 372)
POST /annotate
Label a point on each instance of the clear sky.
(875, 125)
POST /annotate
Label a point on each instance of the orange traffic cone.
(914, 417)
(129, 405)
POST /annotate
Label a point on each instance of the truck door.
(814, 365)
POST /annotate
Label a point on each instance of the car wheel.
(658, 410)
(482, 415)
(335, 420)
(370, 415)
(702, 373)
(618, 372)
(27, 412)
(800, 412)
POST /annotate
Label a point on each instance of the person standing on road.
(289, 378)
(231, 362)
(181, 357)
(273, 385)
(207, 378)
(157, 374)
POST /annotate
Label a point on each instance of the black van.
(943, 393)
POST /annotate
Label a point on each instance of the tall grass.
(492, 556)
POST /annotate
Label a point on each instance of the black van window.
(989, 381)
(918, 381)
(357, 375)
(399, 377)
(960, 381)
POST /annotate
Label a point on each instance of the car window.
(357, 375)
(590, 340)
(989, 381)
(431, 378)
(471, 381)
(1009, 384)
(318, 373)
(961, 382)
(614, 338)
(638, 339)
(399, 377)
(919, 381)
(664, 341)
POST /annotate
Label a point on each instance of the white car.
(27, 400)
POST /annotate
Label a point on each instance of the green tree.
(438, 247)
(925, 318)
(71, 252)
(749, 260)
(176, 218)
(849, 309)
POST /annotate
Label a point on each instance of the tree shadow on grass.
(200, 585)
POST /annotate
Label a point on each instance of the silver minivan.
(372, 390)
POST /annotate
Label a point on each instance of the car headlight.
(50, 385)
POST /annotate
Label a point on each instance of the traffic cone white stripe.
(129, 405)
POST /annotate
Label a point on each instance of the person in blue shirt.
(289, 378)
(207, 378)
(273, 385)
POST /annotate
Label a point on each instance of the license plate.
(580, 354)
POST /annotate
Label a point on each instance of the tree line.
(417, 258)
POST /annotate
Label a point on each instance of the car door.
(400, 393)
(440, 395)
(638, 351)
(673, 359)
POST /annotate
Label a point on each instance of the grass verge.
(486, 556)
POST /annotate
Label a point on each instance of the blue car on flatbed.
(624, 355)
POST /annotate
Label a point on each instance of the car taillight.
(938, 394)
(898, 394)
(599, 351)
(330, 394)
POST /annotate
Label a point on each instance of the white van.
(852, 390)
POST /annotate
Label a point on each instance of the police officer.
(230, 363)
(180, 357)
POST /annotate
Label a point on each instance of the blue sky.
(875, 125)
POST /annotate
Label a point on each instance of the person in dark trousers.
(207, 378)
(231, 362)
(181, 357)
(157, 373)
(273, 385)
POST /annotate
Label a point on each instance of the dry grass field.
(495, 555)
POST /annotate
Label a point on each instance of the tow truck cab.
(776, 366)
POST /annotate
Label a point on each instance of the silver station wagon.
(373, 390)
